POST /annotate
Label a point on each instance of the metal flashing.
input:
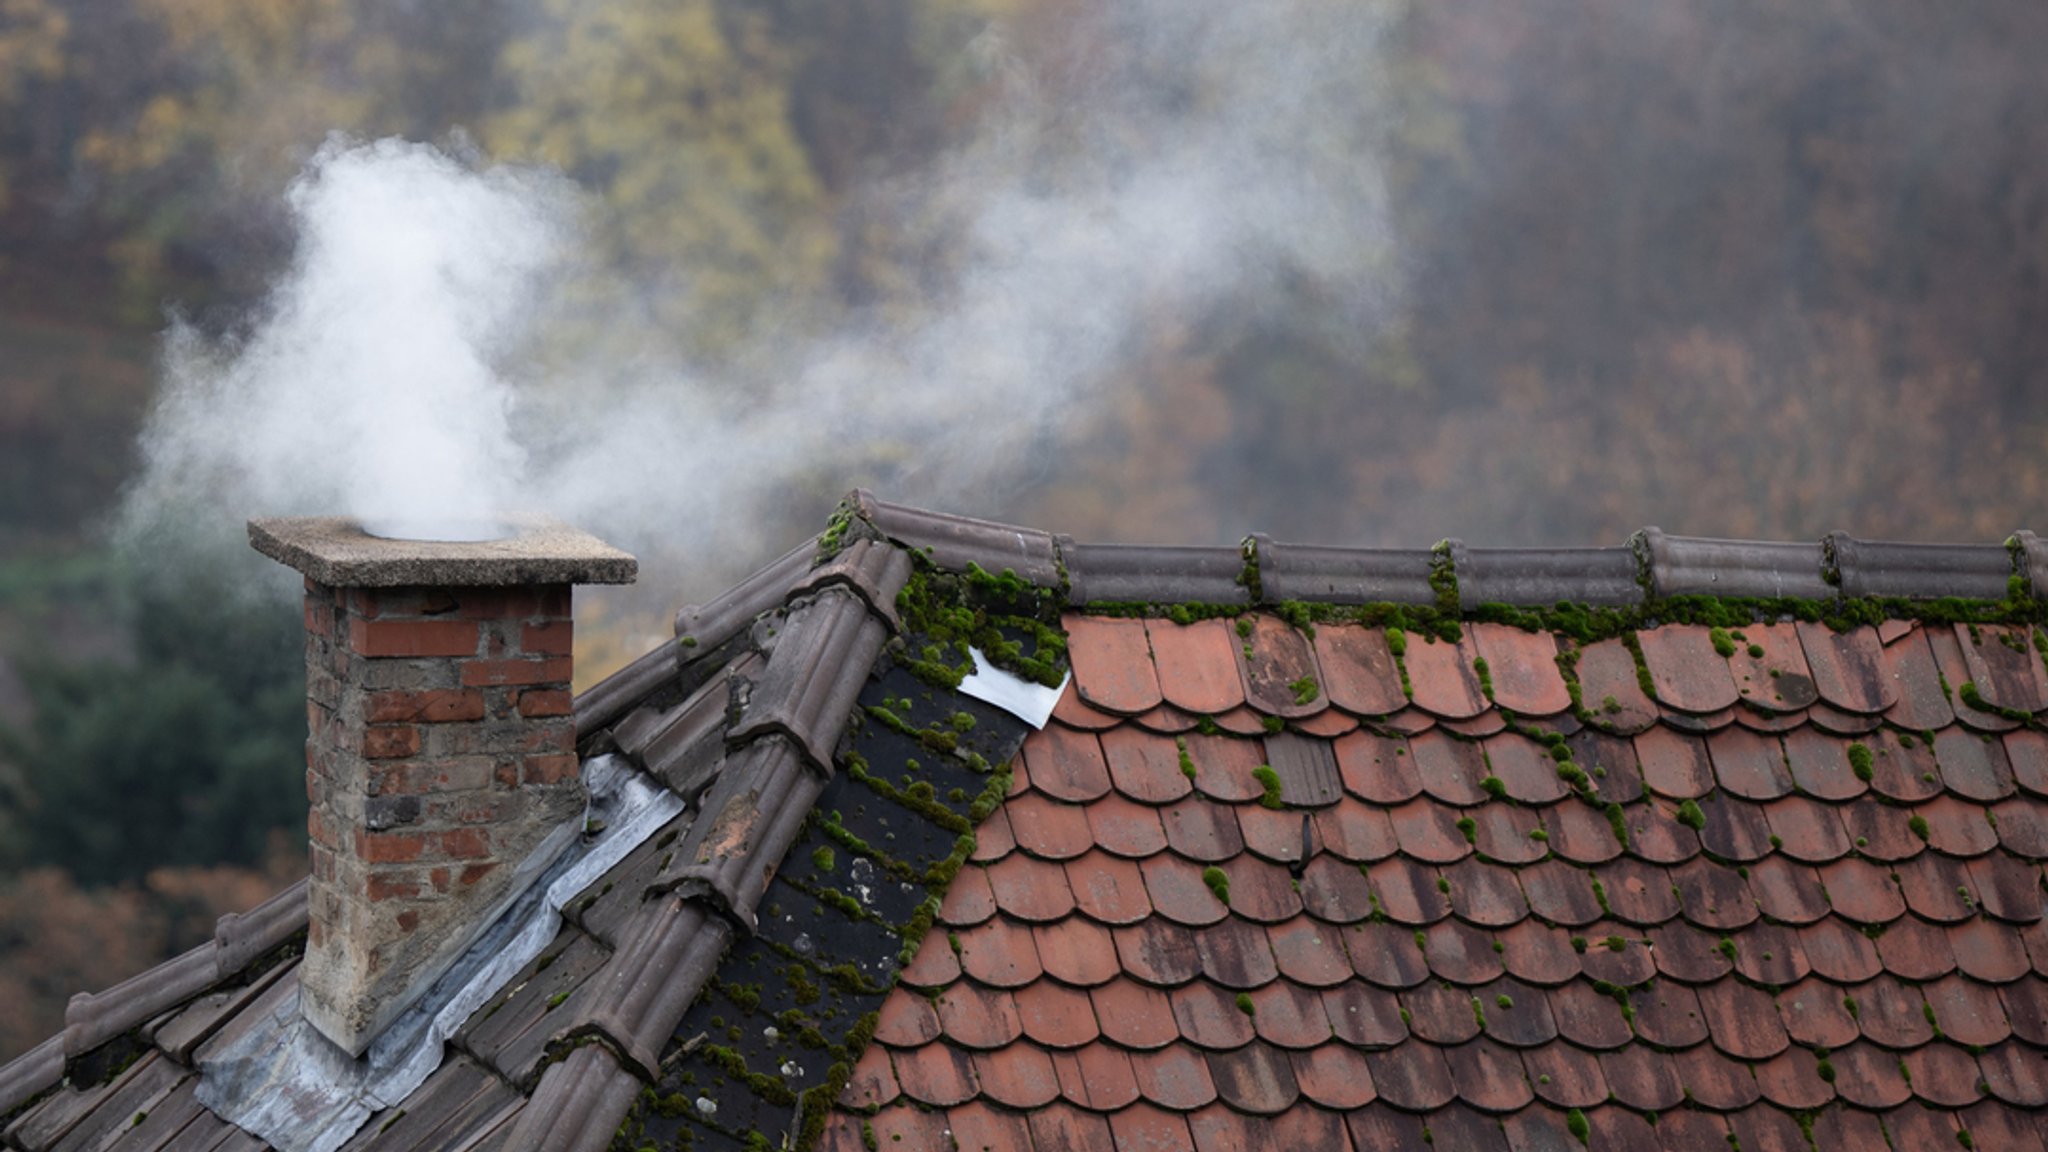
(1027, 700)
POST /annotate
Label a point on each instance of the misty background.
(685, 271)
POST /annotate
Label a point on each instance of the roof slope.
(1354, 843)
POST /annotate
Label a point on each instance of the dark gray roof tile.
(33, 1072)
(511, 1031)
(824, 655)
(197, 1021)
(459, 1100)
(1694, 566)
(703, 628)
(85, 1118)
(95, 1018)
(674, 948)
(618, 693)
(954, 542)
(1540, 577)
(1343, 575)
(1153, 574)
(875, 571)
(1919, 571)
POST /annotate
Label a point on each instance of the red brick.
(551, 738)
(392, 886)
(434, 776)
(477, 808)
(390, 743)
(321, 830)
(389, 847)
(322, 865)
(548, 638)
(407, 921)
(443, 706)
(439, 878)
(413, 637)
(319, 619)
(491, 673)
(550, 769)
(465, 843)
(538, 702)
(520, 603)
(475, 872)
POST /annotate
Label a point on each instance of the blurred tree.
(32, 36)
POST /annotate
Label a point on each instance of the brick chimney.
(440, 755)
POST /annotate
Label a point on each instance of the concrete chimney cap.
(335, 551)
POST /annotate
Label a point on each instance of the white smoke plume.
(1212, 152)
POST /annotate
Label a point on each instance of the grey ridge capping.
(1539, 577)
(334, 551)
(1343, 575)
(954, 542)
(1920, 571)
(2030, 552)
(703, 629)
(1695, 566)
(1153, 573)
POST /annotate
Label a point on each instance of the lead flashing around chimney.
(335, 551)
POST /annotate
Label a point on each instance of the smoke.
(442, 348)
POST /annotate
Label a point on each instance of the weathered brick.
(550, 769)
(389, 847)
(423, 778)
(536, 703)
(472, 808)
(403, 638)
(490, 673)
(433, 706)
(392, 886)
(319, 619)
(381, 812)
(391, 742)
(475, 872)
(549, 736)
(526, 602)
(548, 638)
(464, 843)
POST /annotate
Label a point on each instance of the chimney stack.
(441, 748)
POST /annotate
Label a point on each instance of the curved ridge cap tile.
(92, 1018)
(732, 856)
(811, 682)
(953, 542)
(1152, 574)
(652, 979)
(28, 1075)
(1700, 566)
(1540, 577)
(578, 1105)
(243, 937)
(717, 620)
(1337, 575)
(605, 702)
(1919, 571)
(2032, 558)
(873, 571)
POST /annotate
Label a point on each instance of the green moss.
(1485, 673)
(1539, 834)
(1976, 700)
(1270, 781)
(1272, 724)
(1579, 944)
(1575, 1123)
(1218, 881)
(1826, 1070)
(1617, 822)
(1726, 948)
(1187, 762)
(1469, 828)
(1504, 1001)
(1493, 787)
(1305, 690)
(824, 858)
(1918, 825)
(1397, 643)
(1643, 679)
(1245, 1005)
(1689, 814)
(1723, 643)
(1860, 761)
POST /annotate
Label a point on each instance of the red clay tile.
(1742, 1021)
(1525, 769)
(1779, 679)
(1761, 1128)
(1112, 663)
(1076, 950)
(1847, 667)
(1073, 712)
(1863, 891)
(1787, 891)
(1442, 1014)
(1748, 765)
(1157, 951)
(1134, 1016)
(1955, 827)
(1951, 658)
(2006, 888)
(934, 966)
(1611, 763)
(1441, 673)
(1973, 767)
(1506, 832)
(1234, 953)
(1145, 766)
(1688, 673)
(1208, 1015)
(1124, 828)
(1308, 952)
(1060, 1127)
(1564, 1076)
(1820, 765)
(1909, 667)
(1988, 951)
(1523, 668)
(1479, 727)
(992, 838)
(2015, 1074)
(1066, 765)
(1325, 725)
(1580, 833)
(1260, 891)
(1108, 889)
(1669, 1015)
(1714, 1080)
(1289, 1015)
(1836, 722)
(999, 952)
(1847, 1130)
(1386, 954)
(1197, 665)
(1201, 829)
(1486, 894)
(1538, 1130)
(1538, 953)
(1462, 1127)
(2026, 1007)
(1334, 1076)
(1055, 1015)
(1733, 829)
(1916, 950)
(903, 1126)
(1098, 1076)
(2023, 827)
(842, 1133)
(1020, 770)
(1943, 1075)
(1225, 768)
(936, 1074)
(1450, 769)
(1713, 896)
(1377, 769)
(1890, 631)
(1516, 1014)
(1772, 954)
(1217, 1128)
(1048, 828)
(1489, 1076)
(1611, 690)
(1356, 831)
(1656, 835)
(1814, 1014)
(2003, 665)
(1246, 721)
(1274, 834)
(1937, 887)
(906, 1021)
(1020, 1076)
(1273, 660)
(1031, 889)
(1560, 893)
(1775, 722)
(1628, 965)
(969, 899)
(1257, 1078)
(1334, 891)
(976, 1127)
(1429, 832)
(2035, 941)
(978, 1017)
(1808, 829)
(1179, 892)
(1704, 722)
(1144, 1128)
(873, 1082)
(2027, 751)
(1684, 1130)
(1642, 1077)
(1638, 893)
(1875, 830)
(1461, 953)
(1363, 1017)
(1839, 952)
(1359, 675)
(1412, 1077)
(1994, 1127)
(1892, 1014)
(1967, 1012)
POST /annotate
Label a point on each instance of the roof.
(1499, 849)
